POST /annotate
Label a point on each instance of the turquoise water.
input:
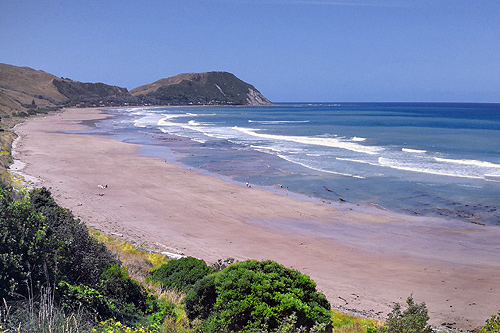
(422, 159)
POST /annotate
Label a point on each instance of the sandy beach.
(362, 258)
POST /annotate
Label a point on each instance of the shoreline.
(452, 267)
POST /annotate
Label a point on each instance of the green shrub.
(181, 274)
(81, 259)
(159, 309)
(126, 293)
(42, 244)
(492, 325)
(200, 301)
(27, 248)
(412, 320)
(86, 299)
(256, 295)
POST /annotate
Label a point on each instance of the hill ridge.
(206, 88)
(24, 90)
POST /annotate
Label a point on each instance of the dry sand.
(362, 258)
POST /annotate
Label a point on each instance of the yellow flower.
(118, 324)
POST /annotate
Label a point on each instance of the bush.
(256, 295)
(127, 294)
(86, 299)
(81, 259)
(43, 246)
(200, 301)
(412, 320)
(492, 325)
(180, 274)
(27, 248)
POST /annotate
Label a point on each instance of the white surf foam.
(434, 170)
(318, 141)
(319, 169)
(272, 122)
(355, 161)
(165, 120)
(148, 120)
(468, 162)
(415, 151)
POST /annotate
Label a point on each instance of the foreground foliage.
(256, 295)
(492, 325)
(412, 320)
(344, 323)
(47, 254)
(181, 274)
(55, 277)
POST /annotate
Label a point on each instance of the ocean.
(426, 159)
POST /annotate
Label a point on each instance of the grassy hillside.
(25, 91)
(93, 94)
(212, 88)
(20, 87)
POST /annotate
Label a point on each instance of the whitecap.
(415, 151)
(193, 123)
(422, 169)
(355, 161)
(277, 122)
(318, 141)
(468, 162)
(318, 169)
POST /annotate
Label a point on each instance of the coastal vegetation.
(48, 258)
(180, 275)
(255, 295)
(56, 276)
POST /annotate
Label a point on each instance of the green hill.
(24, 91)
(211, 88)
(20, 86)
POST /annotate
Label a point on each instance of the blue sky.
(295, 50)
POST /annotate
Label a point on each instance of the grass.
(343, 323)
(139, 262)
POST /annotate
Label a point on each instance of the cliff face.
(211, 88)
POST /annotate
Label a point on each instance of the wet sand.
(362, 258)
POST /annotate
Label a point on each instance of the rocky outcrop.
(255, 98)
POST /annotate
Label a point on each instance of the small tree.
(256, 296)
(412, 320)
(181, 274)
